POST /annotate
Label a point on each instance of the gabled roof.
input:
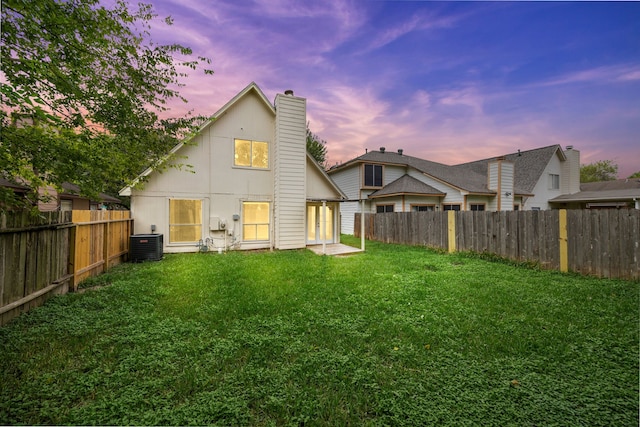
(321, 170)
(528, 165)
(621, 190)
(441, 172)
(252, 87)
(407, 185)
(472, 176)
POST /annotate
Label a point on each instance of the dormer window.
(373, 175)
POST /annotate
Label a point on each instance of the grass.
(395, 336)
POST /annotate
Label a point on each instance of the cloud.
(419, 21)
(603, 74)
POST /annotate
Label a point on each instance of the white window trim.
(202, 230)
(253, 168)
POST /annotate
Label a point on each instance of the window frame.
(386, 206)
(374, 176)
(554, 181)
(256, 224)
(172, 225)
(483, 205)
(422, 205)
(451, 205)
(251, 154)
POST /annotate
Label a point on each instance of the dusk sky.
(446, 81)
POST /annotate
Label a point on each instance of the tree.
(602, 170)
(82, 90)
(317, 148)
(634, 175)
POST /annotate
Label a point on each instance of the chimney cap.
(382, 149)
(400, 151)
(569, 147)
(288, 92)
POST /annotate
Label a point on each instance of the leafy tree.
(602, 170)
(317, 148)
(634, 175)
(83, 88)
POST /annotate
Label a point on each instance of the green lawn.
(395, 336)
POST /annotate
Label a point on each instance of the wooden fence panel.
(47, 255)
(605, 243)
(101, 241)
(33, 260)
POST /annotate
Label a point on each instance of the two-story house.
(252, 184)
(395, 182)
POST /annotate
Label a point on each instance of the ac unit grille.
(145, 247)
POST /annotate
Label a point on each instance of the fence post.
(451, 222)
(564, 255)
(105, 240)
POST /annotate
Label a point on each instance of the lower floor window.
(384, 208)
(422, 208)
(451, 207)
(255, 221)
(185, 220)
(477, 207)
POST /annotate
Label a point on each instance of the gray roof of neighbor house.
(407, 185)
(73, 190)
(528, 166)
(620, 189)
(14, 186)
(471, 176)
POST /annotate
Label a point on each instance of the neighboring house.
(66, 200)
(394, 182)
(620, 193)
(252, 186)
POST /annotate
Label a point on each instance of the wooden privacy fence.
(101, 241)
(604, 243)
(50, 254)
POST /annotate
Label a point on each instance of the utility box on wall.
(145, 247)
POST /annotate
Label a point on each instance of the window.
(185, 221)
(422, 208)
(384, 208)
(477, 206)
(554, 181)
(516, 207)
(255, 221)
(373, 175)
(451, 207)
(251, 154)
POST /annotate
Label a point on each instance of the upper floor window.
(373, 175)
(554, 181)
(251, 154)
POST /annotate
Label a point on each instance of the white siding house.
(250, 186)
(521, 180)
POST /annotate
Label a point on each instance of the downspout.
(499, 185)
(362, 226)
